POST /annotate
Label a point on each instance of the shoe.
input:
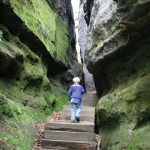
(77, 119)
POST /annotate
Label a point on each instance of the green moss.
(32, 71)
(27, 99)
(3, 106)
(44, 23)
(130, 102)
(140, 138)
(18, 120)
(17, 48)
(30, 96)
(99, 43)
(17, 128)
(127, 102)
(128, 3)
(114, 136)
(62, 41)
(33, 87)
(125, 136)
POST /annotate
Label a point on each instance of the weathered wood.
(63, 125)
(86, 117)
(84, 108)
(83, 112)
(89, 100)
(68, 145)
(69, 136)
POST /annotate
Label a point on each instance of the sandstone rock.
(82, 30)
(117, 54)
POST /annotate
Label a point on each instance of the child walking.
(75, 98)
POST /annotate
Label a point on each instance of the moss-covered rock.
(126, 106)
(118, 57)
(20, 110)
(45, 24)
(27, 95)
(34, 45)
(131, 102)
(140, 138)
(125, 136)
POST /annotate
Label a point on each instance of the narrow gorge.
(38, 61)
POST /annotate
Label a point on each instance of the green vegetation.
(129, 102)
(26, 102)
(123, 112)
(127, 107)
(45, 24)
(27, 96)
(17, 129)
(140, 139)
(18, 120)
(61, 41)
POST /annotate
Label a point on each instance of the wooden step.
(69, 136)
(89, 100)
(89, 103)
(92, 96)
(84, 108)
(87, 117)
(65, 125)
(64, 135)
(89, 97)
(83, 112)
(67, 145)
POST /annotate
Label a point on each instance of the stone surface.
(63, 125)
(63, 134)
(117, 54)
(82, 31)
(84, 112)
(58, 145)
(64, 10)
(89, 99)
(82, 117)
(10, 66)
(69, 136)
(84, 108)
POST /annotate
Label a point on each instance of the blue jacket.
(75, 91)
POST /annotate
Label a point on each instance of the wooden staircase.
(64, 135)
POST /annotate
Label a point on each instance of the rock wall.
(34, 43)
(36, 56)
(117, 54)
(64, 10)
(82, 31)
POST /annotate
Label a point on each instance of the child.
(75, 97)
